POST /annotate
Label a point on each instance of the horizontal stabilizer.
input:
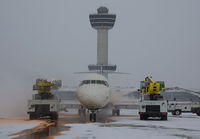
(87, 72)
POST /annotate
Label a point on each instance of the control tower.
(102, 21)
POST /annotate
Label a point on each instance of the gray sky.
(53, 39)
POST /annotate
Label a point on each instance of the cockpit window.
(98, 82)
(85, 82)
(94, 82)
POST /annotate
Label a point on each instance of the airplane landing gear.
(93, 116)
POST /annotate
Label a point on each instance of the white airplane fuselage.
(94, 92)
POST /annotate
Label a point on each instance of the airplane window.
(84, 82)
(87, 82)
(98, 82)
(104, 83)
(94, 82)
(107, 84)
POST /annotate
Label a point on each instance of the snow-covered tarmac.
(8, 127)
(126, 126)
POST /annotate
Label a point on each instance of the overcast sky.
(53, 39)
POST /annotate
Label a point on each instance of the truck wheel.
(177, 112)
(32, 116)
(54, 116)
(173, 113)
(198, 113)
(141, 117)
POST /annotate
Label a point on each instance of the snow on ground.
(129, 127)
(7, 128)
(126, 126)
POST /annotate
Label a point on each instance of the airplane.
(94, 93)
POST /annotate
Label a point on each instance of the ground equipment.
(177, 107)
(152, 103)
(44, 103)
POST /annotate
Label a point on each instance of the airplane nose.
(93, 98)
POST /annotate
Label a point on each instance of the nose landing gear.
(93, 116)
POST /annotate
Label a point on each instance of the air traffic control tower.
(102, 21)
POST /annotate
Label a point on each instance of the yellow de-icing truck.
(44, 103)
(152, 103)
